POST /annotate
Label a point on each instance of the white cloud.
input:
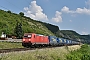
(57, 17)
(67, 10)
(83, 11)
(35, 12)
(77, 11)
(84, 33)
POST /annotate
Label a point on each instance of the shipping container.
(53, 40)
(60, 41)
(64, 41)
(69, 42)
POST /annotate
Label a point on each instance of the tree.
(21, 14)
(9, 11)
(18, 30)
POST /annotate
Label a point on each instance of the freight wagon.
(53, 40)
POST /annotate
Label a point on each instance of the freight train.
(37, 40)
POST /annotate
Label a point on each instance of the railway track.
(25, 49)
(21, 49)
(12, 40)
(15, 49)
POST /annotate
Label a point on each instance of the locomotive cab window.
(27, 36)
(34, 36)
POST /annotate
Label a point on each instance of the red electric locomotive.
(32, 39)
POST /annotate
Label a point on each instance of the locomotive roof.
(28, 33)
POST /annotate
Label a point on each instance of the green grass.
(43, 54)
(82, 54)
(7, 45)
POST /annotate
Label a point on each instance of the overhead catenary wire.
(13, 4)
(4, 7)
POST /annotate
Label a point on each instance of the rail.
(12, 40)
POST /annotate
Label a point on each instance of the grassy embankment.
(7, 45)
(82, 54)
(42, 54)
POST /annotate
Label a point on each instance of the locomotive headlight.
(23, 39)
(29, 39)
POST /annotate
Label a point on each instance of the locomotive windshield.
(27, 36)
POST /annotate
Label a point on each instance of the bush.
(9, 11)
(81, 54)
(85, 57)
(21, 14)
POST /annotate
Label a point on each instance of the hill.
(8, 22)
(70, 34)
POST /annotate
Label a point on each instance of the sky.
(66, 14)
